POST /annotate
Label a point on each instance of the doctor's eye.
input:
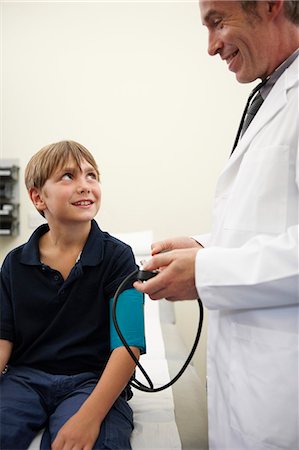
(218, 24)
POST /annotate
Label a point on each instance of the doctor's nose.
(215, 44)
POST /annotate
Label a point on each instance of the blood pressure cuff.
(130, 319)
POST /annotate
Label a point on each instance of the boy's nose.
(82, 189)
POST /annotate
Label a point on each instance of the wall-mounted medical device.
(9, 197)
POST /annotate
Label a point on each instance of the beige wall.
(133, 82)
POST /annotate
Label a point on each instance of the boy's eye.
(67, 176)
(92, 175)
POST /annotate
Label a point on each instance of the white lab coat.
(247, 277)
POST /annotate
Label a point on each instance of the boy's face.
(71, 194)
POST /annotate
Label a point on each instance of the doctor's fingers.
(178, 263)
(158, 261)
(177, 271)
(172, 291)
(178, 289)
(179, 242)
(152, 287)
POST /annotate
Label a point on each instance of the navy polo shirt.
(56, 325)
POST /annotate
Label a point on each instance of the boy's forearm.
(83, 427)
(114, 379)
(5, 352)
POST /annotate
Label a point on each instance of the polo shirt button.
(56, 277)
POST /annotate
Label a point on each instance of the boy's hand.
(5, 352)
(78, 433)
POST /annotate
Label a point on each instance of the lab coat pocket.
(258, 199)
(264, 386)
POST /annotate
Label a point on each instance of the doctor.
(246, 270)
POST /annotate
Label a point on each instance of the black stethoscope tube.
(134, 382)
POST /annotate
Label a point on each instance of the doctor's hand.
(173, 244)
(176, 280)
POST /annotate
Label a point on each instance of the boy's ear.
(37, 199)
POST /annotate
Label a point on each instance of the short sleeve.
(6, 314)
(130, 319)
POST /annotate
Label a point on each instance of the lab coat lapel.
(271, 106)
(275, 101)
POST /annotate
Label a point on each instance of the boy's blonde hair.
(50, 158)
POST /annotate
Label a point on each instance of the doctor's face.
(241, 38)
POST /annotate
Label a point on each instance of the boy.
(64, 367)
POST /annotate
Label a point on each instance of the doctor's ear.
(37, 200)
(275, 7)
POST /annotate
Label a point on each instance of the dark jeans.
(31, 400)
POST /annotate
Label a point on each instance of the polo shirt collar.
(93, 250)
(30, 251)
(92, 253)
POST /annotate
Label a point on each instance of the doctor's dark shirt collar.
(91, 255)
(277, 73)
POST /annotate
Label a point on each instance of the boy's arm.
(5, 352)
(82, 429)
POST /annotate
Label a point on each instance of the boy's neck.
(61, 251)
(66, 238)
(60, 248)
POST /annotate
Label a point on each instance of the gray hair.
(291, 9)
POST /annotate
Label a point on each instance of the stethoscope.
(144, 275)
(251, 95)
